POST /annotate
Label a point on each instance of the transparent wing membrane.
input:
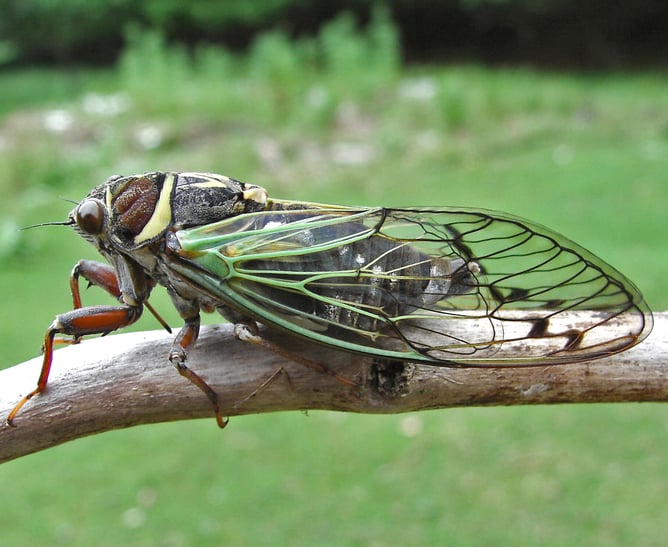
(445, 286)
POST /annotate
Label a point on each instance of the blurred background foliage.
(555, 32)
(551, 109)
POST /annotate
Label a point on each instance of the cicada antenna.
(68, 222)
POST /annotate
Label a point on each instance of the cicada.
(440, 286)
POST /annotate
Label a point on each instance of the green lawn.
(584, 154)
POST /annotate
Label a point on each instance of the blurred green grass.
(584, 154)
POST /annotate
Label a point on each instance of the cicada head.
(125, 212)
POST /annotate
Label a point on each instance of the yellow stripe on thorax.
(162, 215)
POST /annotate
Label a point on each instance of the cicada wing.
(445, 286)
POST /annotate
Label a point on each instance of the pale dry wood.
(123, 380)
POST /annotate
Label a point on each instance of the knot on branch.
(390, 378)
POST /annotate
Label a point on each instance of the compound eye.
(90, 215)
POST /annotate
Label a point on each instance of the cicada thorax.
(141, 208)
(201, 199)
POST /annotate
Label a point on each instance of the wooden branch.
(123, 380)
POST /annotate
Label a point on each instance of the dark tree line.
(591, 34)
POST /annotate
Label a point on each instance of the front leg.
(104, 276)
(78, 323)
(96, 273)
